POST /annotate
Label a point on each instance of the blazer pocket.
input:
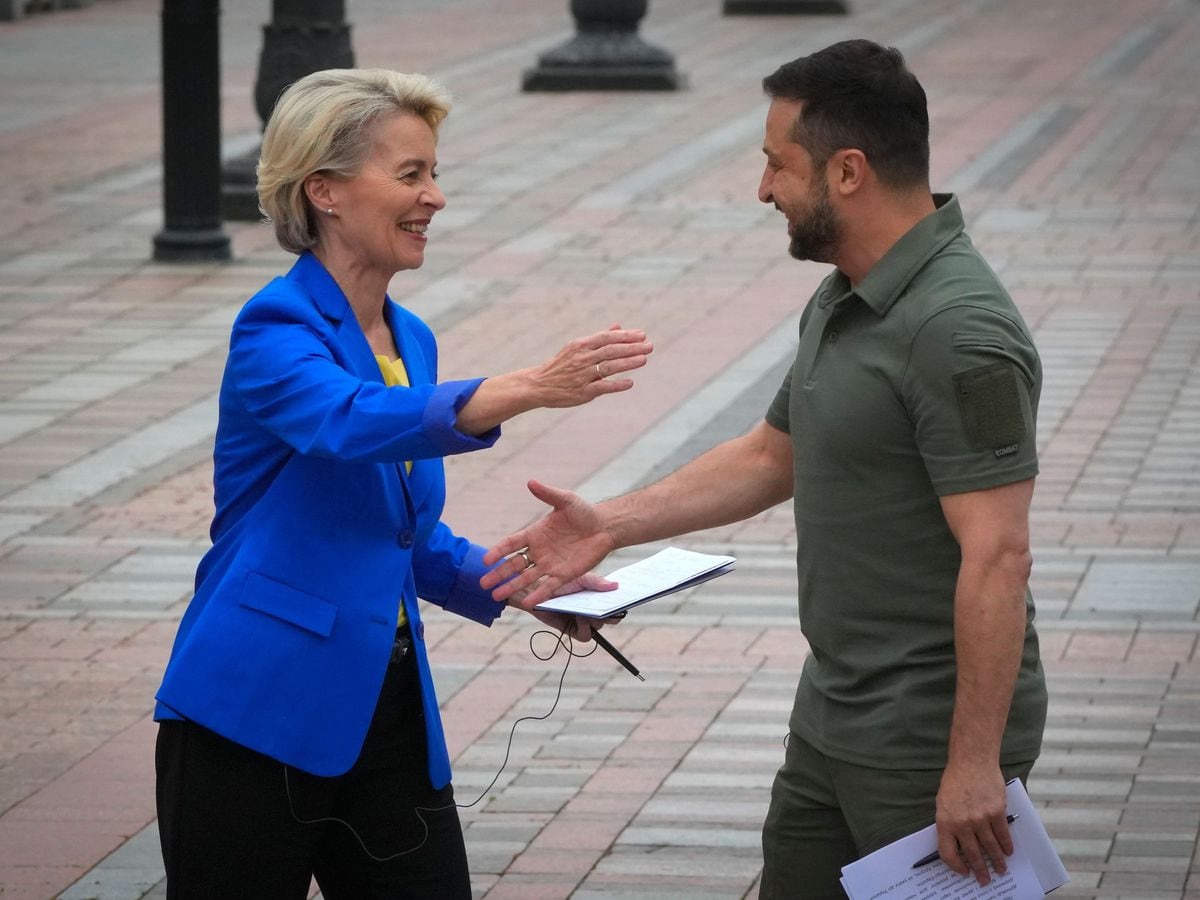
(266, 595)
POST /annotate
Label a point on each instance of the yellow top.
(395, 375)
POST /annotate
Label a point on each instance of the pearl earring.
(329, 211)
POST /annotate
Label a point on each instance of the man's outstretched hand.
(548, 555)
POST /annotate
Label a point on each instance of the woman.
(299, 728)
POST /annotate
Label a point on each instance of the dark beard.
(815, 237)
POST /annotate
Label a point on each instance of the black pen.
(616, 654)
(926, 860)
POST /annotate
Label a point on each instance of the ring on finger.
(524, 554)
(599, 374)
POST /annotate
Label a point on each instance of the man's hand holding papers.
(903, 870)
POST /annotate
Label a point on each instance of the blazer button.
(420, 631)
(405, 538)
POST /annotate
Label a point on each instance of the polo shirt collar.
(889, 277)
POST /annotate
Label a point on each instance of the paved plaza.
(1071, 131)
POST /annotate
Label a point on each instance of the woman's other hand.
(580, 372)
(578, 627)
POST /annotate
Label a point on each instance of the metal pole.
(191, 91)
(303, 36)
(606, 54)
(780, 7)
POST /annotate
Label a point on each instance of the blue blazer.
(319, 533)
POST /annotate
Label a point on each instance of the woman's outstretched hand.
(583, 369)
(578, 373)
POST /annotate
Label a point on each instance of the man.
(905, 434)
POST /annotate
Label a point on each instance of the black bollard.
(778, 7)
(191, 91)
(606, 54)
(303, 36)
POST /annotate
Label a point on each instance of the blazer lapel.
(410, 351)
(333, 304)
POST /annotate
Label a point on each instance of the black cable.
(568, 645)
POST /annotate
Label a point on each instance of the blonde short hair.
(322, 123)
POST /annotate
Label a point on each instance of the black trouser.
(230, 818)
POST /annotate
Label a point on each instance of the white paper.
(663, 573)
(1034, 868)
(1032, 840)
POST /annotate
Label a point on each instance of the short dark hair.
(861, 95)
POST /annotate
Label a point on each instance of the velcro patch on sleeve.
(990, 403)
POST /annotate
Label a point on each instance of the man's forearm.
(989, 636)
(735, 480)
(731, 482)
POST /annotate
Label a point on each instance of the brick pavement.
(1072, 131)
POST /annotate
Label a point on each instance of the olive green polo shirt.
(922, 382)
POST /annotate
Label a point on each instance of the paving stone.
(717, 837)
(673, 861)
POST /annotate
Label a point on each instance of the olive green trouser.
(826, 813)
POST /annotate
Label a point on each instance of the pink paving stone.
(641, 750)
(1159, 535)
(1046, 533)
(1130, 668)
(472, 637)
(1053, 644)
(1189, 536)
(708, 685)
(120, 769)
(1163, 646)
(153, 657)
(1047, 165)
(1098, 645)
(522, 888)
(587, 834)
(723, 644)
(549, 860)
(504, 265)
(785, 648)
(103, 809)
(47, 843)
(29, 882)
(672, 885)
(661, 640)
(1108, 535)
(629, 778)
(36, 669)
(671, 727)
(617, 807)
(478, 705)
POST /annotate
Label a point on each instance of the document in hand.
(1034, 868)
(666, 572)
